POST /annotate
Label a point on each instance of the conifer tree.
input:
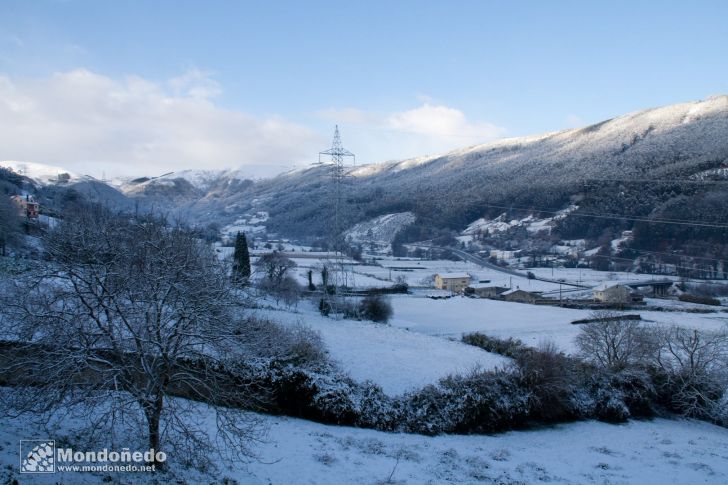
(241, 259)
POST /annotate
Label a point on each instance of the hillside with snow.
(643, 164)
(667, 163)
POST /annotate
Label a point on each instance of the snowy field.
(394, 358)
(419, 273)
(295, 451)
(530, 323)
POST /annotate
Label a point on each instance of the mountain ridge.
(597, 165)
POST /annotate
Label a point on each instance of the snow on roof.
(516, 290)
(446, 276)
(606, 286)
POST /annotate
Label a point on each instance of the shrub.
(480, 402)
(298, 344)
(705, 300)
(376, 308)
(508, 347)
(324, 307)
(551, 378)
(614, 396)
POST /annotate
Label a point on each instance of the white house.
(455, 282)
(612, 294)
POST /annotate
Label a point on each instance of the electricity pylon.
(336, 155)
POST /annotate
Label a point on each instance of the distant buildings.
(486, 291)
(612, 294)
(520, 296)
(27, 206)
(455, 282)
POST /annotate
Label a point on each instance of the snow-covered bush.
(551, 378)
(376, 308)
(298, 344)
(508, 347)
(614, 396)
(480, 402)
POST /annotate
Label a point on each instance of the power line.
(644, 251)
(660, 181)
(693, 280)
(612, 216)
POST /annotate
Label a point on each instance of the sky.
(130, 88)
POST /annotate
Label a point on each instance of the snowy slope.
(378, 233)
(396, 359)
(295, 451)
(529, 323)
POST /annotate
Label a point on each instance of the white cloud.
(441, 122)
(427, 129)
(89, 123)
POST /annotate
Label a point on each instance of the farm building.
(486, 291)
(455, 282)
(520, 296)
(613, 294)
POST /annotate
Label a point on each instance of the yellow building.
(455, 282)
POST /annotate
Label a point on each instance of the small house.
(27, 206)
(455, 282)
(486, 291)
(613, 294)
(520, 296)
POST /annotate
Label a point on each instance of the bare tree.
(128, 312)
(275, 266)
(614, 342)
(695, 366)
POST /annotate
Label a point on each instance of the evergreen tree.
(241, 259)
(311, 286)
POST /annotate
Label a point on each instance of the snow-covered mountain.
(651, 163)
(43, 174)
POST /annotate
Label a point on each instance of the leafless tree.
(614, 342)
(128, 312)
(275, 266)
(287, 289)
(695, 365)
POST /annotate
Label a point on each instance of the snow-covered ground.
(530, 323)
(295, 451)
(420, 272)
(396, 359)
(377, 234)
(531, 223)
(639, 452)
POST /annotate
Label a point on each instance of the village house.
(520, 296)
(613, 294)
(485, 291)
(27, 207)
(455, 282)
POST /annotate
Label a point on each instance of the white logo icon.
(37, 456)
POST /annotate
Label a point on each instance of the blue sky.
(260, 84)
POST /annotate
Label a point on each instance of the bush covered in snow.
(481, 402)
(375, 308)
(508, 347)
